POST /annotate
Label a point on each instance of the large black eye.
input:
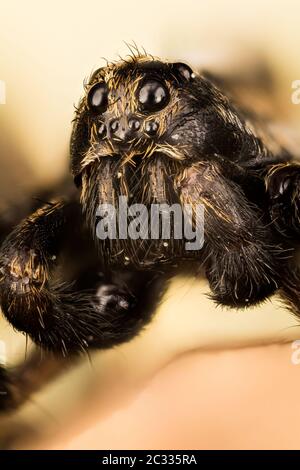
(98, 98)
(153, 95)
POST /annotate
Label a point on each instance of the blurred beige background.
(46, 50)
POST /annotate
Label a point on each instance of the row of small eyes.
(150, 127)
(153, 96)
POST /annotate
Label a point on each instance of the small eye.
(182, 72)
(153, 96)
(134, 124)
(102, 130)
(151, 127)
(114, 125)
(98, 98)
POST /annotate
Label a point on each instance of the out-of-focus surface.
(204, 400)
(46, 50)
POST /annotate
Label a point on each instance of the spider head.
(131, 109)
